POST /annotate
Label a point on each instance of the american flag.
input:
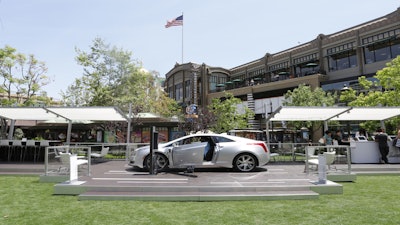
(178, 21)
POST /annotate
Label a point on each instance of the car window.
(223, 139)
(189, 140)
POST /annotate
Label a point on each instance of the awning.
(89, 113)
(301, 113)
(68, 113)
(369, 113)
(26, 113)
(311, 113)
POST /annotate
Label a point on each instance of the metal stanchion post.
(153, 146)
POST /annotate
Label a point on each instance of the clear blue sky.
(224, 33)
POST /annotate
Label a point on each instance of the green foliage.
(202, 122)
(112, 77)
(18, 134)
(227, 117)
(383, 92)
(23, 78)
(303, 95)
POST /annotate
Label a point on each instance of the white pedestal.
(74, 162)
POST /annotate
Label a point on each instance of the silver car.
(205, 150)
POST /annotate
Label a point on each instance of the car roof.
(235, 138)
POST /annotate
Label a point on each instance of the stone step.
(21, 170)
(141, 188)
(199, 196)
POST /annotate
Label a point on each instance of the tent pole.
(128, 133)
(11, 130)
(69, 132)
(267, 127)
(383, 125)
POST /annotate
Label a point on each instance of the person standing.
(328, 138)
(338, 137)
(382, 139)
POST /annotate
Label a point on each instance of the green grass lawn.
(370, 200)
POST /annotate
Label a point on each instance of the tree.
(303, 95)
(112, 77)
(227, 116)
(22, 79)
(384, 91)
(23, 75)
(201, 121)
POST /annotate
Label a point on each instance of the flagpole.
(182, 39)
(178, 21)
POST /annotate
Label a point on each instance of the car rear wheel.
(161, 162)
(245, 163)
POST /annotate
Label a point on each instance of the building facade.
(333, 62)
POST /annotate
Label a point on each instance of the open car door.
(188, 153)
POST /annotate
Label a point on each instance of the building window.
(382, 46)
(278, 66)
(395, 48)
(305, 59)
(306, 65)
(178, 92)
(171, 92)
(380, 51)
(342, 60)
(187, 90)
(213, 83)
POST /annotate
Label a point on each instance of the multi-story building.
(333, 62)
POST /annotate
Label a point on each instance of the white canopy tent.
(369, 113)
(311, 113)
(70, 114)
(314, 113)
(294, 113)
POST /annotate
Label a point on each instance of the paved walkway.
(120, 167)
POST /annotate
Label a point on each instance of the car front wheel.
(161, 162)
(245, 163)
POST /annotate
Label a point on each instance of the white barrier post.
(73, 168)
(321, 169)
